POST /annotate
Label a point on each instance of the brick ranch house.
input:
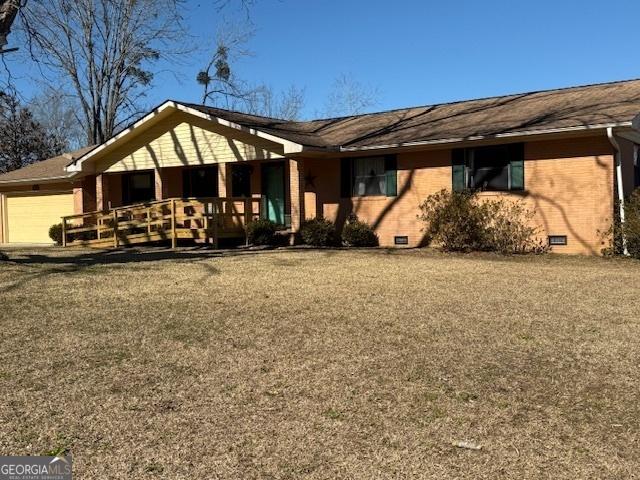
(564, 152)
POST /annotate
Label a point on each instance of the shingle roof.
(46, 169)
(606, 103)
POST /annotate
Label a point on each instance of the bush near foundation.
(356, 233)
(631, 227)
(262, 232)
(319, 232)
(630, 231)
(461, 222)
(55, 233)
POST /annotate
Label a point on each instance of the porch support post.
(102, 192)
(78, 197)
(296, 189)
(84, 195)
(224, 180)
(161, 186)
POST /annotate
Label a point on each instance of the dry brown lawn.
(321, 364)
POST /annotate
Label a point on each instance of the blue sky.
(421, 52)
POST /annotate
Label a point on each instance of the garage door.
(30, 216)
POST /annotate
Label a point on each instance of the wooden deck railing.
(203, 219)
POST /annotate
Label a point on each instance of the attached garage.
(27, 217)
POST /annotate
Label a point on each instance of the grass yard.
(321, 364)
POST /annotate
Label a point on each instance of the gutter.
(618, 157)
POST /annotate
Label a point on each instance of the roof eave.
(517, 134)
(34, 180)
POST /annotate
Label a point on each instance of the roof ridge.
(191, 104)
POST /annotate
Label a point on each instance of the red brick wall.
(569, 182)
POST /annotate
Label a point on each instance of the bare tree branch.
(56, 111)
(349, 97)
(105, 49)
(286, 105)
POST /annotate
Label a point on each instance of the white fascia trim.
(289, 147)
(76, 165)
(522, 133)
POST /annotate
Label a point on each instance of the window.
(138, 187)
(241, 180)
(200, 182)
(493, 168)
(369, 176)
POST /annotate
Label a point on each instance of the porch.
(270, 182)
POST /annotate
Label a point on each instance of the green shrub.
(613, 236)
(631, 228)
(459, 221)
(358, 234)
(262, 232)
(319, 233)
(55, 233)
(281, 240)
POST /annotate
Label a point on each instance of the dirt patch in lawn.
(321, 364)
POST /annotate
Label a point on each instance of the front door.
(273, 191)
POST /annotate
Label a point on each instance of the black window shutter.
(346, 182)
(458, 177)
(391, 173)
(516, 164)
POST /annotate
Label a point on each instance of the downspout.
(618, 160)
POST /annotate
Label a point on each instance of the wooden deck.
(205, 220)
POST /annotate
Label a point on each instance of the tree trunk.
(8, 12)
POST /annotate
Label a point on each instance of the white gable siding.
(178, 142)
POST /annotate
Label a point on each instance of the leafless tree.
(221, 86)
(57, 112)
(244, 5)
(286, 105)
(105, 49)
(349, 97)
(8, 12)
